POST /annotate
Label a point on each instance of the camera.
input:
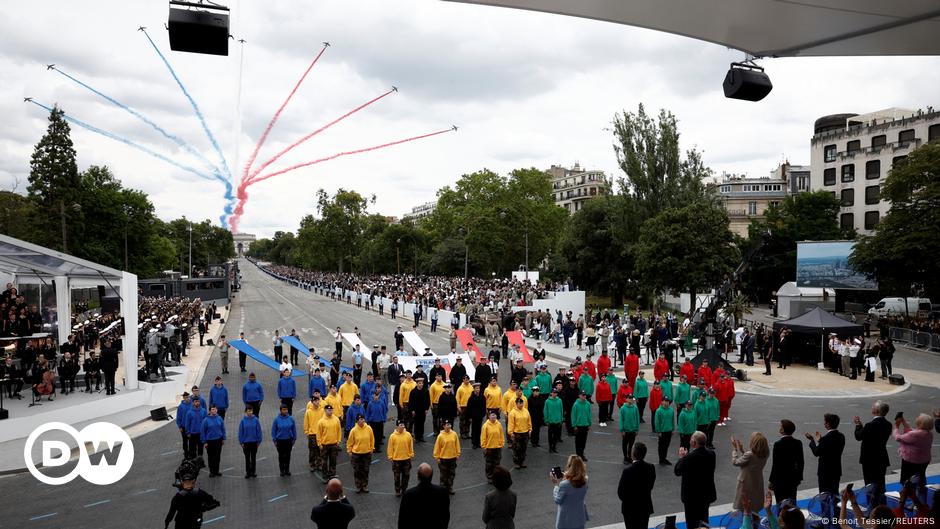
(188, 471)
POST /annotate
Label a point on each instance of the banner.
(355, 340)
(416, 342)
(466, 341)
(427, 362)
(295, 342)
(825, 264)
(515, 338)
(245, 347)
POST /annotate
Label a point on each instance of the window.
(773, 204)
(872, 194)
(829, 177)
(752, 208)
(802, 183)
(878, 141)
(725, 189)
(771, 187)
(906, 136)
(848, 173)
(871, 219)
(896, 160)
(933, 133)
(848, 197)
(847, 221)
(873, 169)
(853, 146)
(829, 153)
(749, 188)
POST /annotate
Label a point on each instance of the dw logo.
(111, 458)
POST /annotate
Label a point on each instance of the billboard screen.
(826, 265)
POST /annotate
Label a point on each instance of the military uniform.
(446, 451)
(360, 445)
(400, 452)
(329, 433)
(491, 439)
(520, 426)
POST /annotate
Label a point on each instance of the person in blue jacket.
(283, 433)
(317, 383)
(196, 396)
(249, 436)
(194, 428)
(287, 391)
(366, 390)
(181, 411)
(355, 409)
(376, 415)
(212, 435)
(218, 397)
(253, 394)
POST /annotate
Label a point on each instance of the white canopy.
(789, 289)
(771, 28)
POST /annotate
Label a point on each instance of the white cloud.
(527, 89)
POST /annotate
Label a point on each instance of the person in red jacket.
(721, 393)
(656, 398)
(605, 401)
(729, 384)
(589, 366)
(631, 366)
(661, 367)
(603, 364)
(626, 388)
(717, 374)
(576, 368)
(687, 371)
(705, 373)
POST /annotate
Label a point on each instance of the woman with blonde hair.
(914, 446)
(750, 489)
(569, 495)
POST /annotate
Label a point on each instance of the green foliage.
(54, 183)
(15, 212)
(332, 240)
(902, 253)
(686, 249)
(210, 243)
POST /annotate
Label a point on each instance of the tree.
(902, 252)
(686, 249)
(331, 241)
(657, 176)
(53, 183)
(15, 210)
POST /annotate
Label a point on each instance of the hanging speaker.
(198, 28)
(747, 82)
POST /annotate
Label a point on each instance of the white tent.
(789, 296)
(27, 263)
(770, 28)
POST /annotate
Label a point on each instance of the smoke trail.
(126, 141)
(175, 139)
(267, 130)
(257, 171)
(192, 102)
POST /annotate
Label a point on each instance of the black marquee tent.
(818, 321)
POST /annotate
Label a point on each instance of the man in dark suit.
(828, 448)
(335, 511)
(874, 454)
(697, 469)
(432, 501)
(786, 471)
(635, 490)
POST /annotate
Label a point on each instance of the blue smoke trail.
(215, 145)
(175, 139)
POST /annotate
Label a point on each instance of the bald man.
(334, 511)
(433, 501)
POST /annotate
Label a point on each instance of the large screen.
(826, 265)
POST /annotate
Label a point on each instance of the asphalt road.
(265, 304)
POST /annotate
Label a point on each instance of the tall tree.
(54, 183)
(686, 249)
(330, 241)
(902, 253)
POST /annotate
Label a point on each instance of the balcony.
(741, 213)
(755, 194)
(895, 146)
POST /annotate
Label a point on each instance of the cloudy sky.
(527, 89)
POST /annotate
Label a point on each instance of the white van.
(898, 307)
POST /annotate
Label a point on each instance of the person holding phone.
(914, 446)
(569, 494)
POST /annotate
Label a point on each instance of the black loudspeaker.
(4, 414)
(101, 293)
(159, 414)
(202, 29)
(748, 83)
(741, 374)
(209, 342)
(896, 379)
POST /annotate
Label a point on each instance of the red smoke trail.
(274, 158)
(267, 130)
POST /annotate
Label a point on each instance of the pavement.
(265, 304)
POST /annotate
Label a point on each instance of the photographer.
(189, 504)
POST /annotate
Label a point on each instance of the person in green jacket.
(629, 426)
(668, 388)
(701, 412)
(527, 386)
(687, 425)
(641, 390)
(683, 393)
(586, 385)
(581, 422)
(614, 383)
(665, 423)
(553, 413)
(712, 405)
(698, 390)
(544, 381)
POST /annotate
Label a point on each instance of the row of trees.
(89, 214)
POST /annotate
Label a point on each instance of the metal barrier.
(923, 340)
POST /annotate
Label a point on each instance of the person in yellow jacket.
(492, 441)
(360, 445)
(347, 392)
(508, 402)
(401, 450)
(311, 418)
(332, 398)
(329, 433)
(520, 426)
(493, 395)
(447, 451)
(404, 394)
(463, 395)
(436, 389)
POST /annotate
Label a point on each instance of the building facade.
(575, 186)
(747, 199)
(421, 211)
(852, 154)
(243, 242)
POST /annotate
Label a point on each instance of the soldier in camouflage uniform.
(447, 451)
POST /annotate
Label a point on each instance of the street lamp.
(190, 249)
(74, 207)
(466, 250)
(127, 218)
(398, 255)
